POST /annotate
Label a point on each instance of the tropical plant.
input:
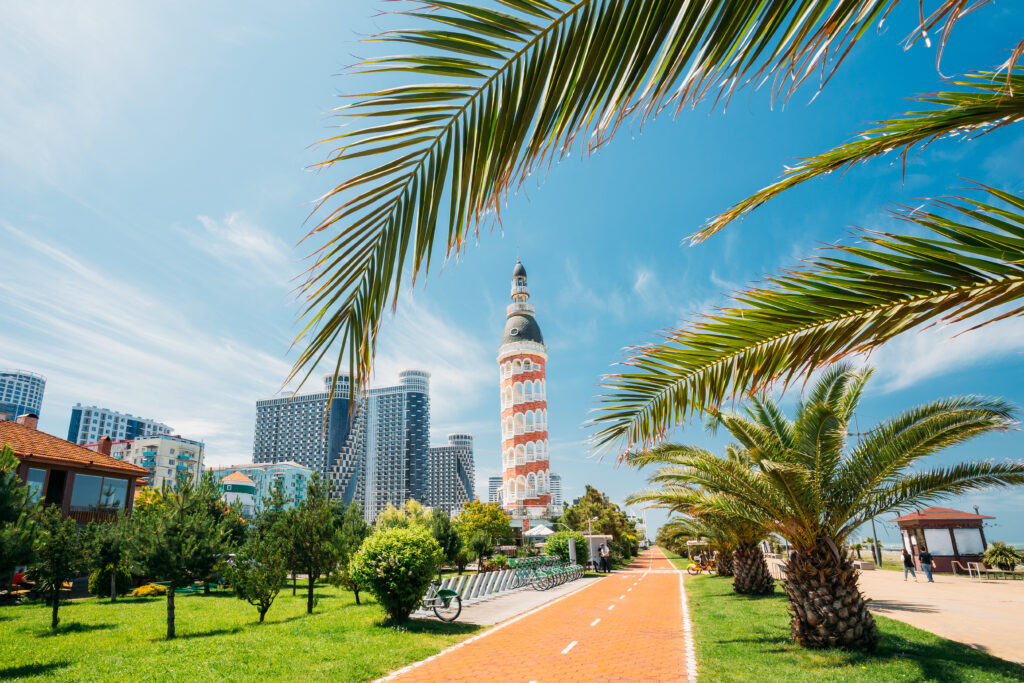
(259, 570)
(17, 526)
(59, 555)
(557, 545)
(1003, 556)
(736, 538)
(807, 485)
(174, 539)
(397, 565)
(523, 82)
(313, 536)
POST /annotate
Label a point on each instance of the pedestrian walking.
(926, 565)
(908, 566)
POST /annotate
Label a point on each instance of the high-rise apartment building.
(522, 361)
(386, 458)
(292, 478)
(168, 458)
(452, 474)
(293, 428)
(555, 480)
(91, 423)
(494, 486)
(21, 393)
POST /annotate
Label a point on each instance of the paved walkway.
(626, 627)
(987, 615)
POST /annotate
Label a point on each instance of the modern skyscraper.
(292, 428)
(385, 458)
(452, 474)
(522, 359)
(91, 423)
(555, 481)
(494, 487)
(21, 393)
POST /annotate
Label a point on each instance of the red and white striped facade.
(522, 360)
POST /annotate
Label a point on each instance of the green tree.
(596, 512)
(481, 546)
(447, 536)
(60, 554)
(353, 530)
(176, 539)
(558, 545)
(397, 565)
(108, 550)
(17, 526)
(488, 517)
(259, 570)
(810, 487)
(313, 536)
(1003, 556)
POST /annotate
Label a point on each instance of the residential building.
(494, 486)
(294, 429)
(385, 458)
(239, 490)
(164, 457)
(452, 474)
(522, 363)
(90, 423)
(21, 393)
(292, 477)
(555, 480)
(86, 485)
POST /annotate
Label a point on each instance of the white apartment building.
(166, 457)
(494, 486)
(89, 424)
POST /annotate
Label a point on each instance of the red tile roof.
(239, 477)
(34, 445)
(940, 514)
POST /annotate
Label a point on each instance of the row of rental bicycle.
(541, 573)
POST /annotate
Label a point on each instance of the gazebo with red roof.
(949, 535)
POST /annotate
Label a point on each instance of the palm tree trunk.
(750, 571)
(170, 612)
(725, 563)
(827, 607)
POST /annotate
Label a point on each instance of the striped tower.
(522, 360)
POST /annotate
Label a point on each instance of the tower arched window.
(520, 487)
(528, 422)
(531, 485)
(542, 419)
(520, 454)
(508, 397)
(528, 391)
(541, 451)
(531, 452)
(510, 490)
(520, 428)
(517, 393)
(510, 459)
(543, 387)
(527, 365)
(517, 367)
(509, 428)
(542, 483)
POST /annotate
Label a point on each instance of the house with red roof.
(949, 535)
(87, 485)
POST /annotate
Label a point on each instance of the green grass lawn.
(742, 638)
(219, 639)
(679, 561)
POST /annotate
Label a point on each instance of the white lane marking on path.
(497, 627)
(569, 647)
(691, 653)
(622, 597)
(611, 607)
(594, 622)
(628, 590)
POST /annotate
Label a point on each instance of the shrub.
(558, 544)
(397, 565)
(149, 590)
(99, 580)
(1002, 556)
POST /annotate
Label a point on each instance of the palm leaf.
(993, 100)
(487, 93)
(853, 298)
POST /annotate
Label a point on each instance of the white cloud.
(243, 246)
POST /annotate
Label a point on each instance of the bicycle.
(446, 603)
(696, 568)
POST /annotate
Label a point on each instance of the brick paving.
(626, 627)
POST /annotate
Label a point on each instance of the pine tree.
(59, 555)
(446, 535)
(259, 571)
(353, 530)
(107, 549)
(17, 528)
(313, 536)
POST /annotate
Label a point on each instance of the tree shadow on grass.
(207, 634)
(25, 670)
(64, 629)
(433, 627)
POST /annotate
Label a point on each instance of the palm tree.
(485, 94)
(809, 486)
(737, 538)
(678, 530)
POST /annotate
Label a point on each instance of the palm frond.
(488, 92)
(852, 299)
(992, 100)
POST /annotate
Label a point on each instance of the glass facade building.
(21, 393)
(91, 423)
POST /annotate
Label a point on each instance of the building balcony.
(185, 456)
(152, 453)
(148, 462)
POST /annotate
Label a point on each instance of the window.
(34, 482)
(114, 494)
(85, 494)
(938, 542)
(968, 541)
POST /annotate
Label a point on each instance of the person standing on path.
(926, 565)
(606, 554)
(908, 566)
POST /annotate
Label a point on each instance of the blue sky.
(154, 183)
